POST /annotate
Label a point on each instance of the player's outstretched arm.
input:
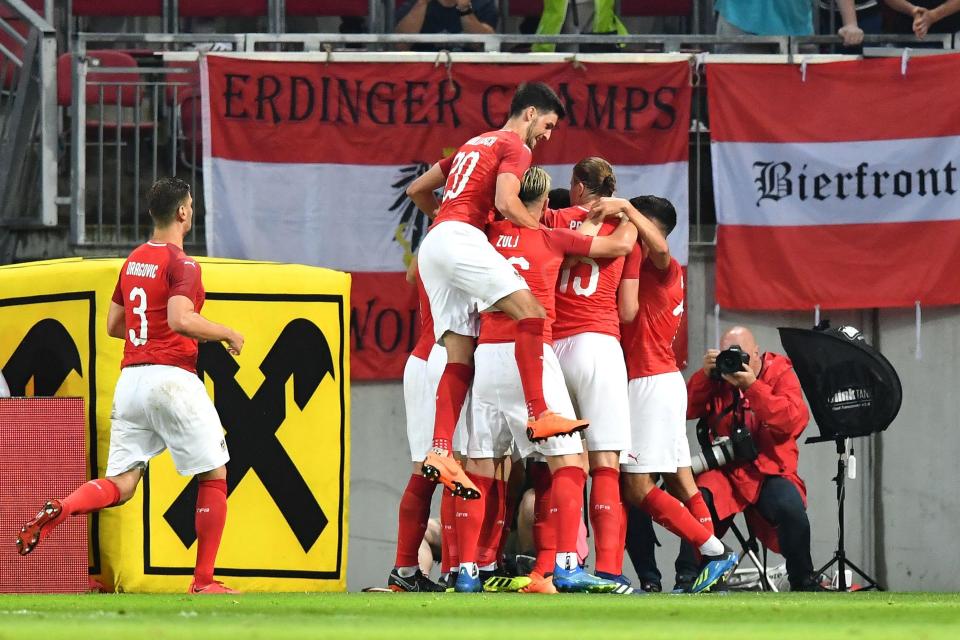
(657, 248)
(507, 201)
(183, 319)
(116, 321)
(421, 190)
(619, 243)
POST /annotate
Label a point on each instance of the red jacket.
(775, 414)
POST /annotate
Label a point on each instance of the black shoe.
(683, 583)
(651, 586)
(811, 585)
(417, 583)
(449, 580)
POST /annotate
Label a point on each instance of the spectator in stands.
(869, 17)
(446, 16)
(923, 16)
(781, 18)
(578, 17)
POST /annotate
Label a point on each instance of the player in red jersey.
(463, 274)
(499, 414)
(658, 395)
(593, 297)
(420, 378)
(159, 401)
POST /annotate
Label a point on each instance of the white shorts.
(658, 420)
(463, 274)
(157, 407)
(596, 376)
(420, 380)
(500, 410)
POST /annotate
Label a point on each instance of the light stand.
(845, 462)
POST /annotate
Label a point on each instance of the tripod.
(840, 555)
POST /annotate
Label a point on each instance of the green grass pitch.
(871, 616)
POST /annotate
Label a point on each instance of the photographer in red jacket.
(756, 473)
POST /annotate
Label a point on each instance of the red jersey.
(648, 342)
(152, 274)
(536, 254)
(587, 291)
(426, 340)
(472, 176)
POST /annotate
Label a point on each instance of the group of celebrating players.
(538, 310)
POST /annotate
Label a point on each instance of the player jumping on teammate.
(463, 273)
(159, 401)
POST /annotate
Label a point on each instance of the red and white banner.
(307, 161)
(836, 185)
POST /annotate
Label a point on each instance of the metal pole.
(48, 130)
(78, 122)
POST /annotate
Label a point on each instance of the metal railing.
(28, 125)
(160, 134)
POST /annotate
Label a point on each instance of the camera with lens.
(729, 361)
(723, 450)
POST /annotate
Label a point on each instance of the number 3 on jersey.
(138, 295)
(463, 166)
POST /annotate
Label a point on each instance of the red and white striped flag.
(836, 184)
(307, 161)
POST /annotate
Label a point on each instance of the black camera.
(739, 447)
(730, 361)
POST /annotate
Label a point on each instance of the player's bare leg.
(606, 512)
(210, 519)
(95, 495)
(452, 389)
(530, 315)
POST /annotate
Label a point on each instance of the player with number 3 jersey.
(159, 402)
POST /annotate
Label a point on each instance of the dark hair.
(559, 198)
(534, 186)
(596, 175)
(163, 199)
(538, 95)
(658, 209)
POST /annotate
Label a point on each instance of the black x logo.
(300, 351)
(47, 354)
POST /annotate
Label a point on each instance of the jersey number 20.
(463, 166)
(138, 295)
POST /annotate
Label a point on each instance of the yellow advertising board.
(284, 405)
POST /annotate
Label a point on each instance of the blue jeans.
(782, 506)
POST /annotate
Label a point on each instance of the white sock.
(407, 572)
(489, 567)
(712, 547)
(470, 568)
(568, 561)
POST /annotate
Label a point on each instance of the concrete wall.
(903, 518)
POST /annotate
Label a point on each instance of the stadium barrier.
(284, 404)
(41, 456)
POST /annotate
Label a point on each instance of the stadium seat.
(125, 93)
(636, 8)
(351, 8)
(222, 8)
(187, 82)
(8, 70)
(190, 134)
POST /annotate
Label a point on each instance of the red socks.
(670, 514)
(470, 519)
(528, 350)
(92, 496)
(414, 513)
(605, 517)
(451, 393)
(493, 523)
(449, 553)
(209, 520)
(698, 508)
(544, 533)
(567, 498)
